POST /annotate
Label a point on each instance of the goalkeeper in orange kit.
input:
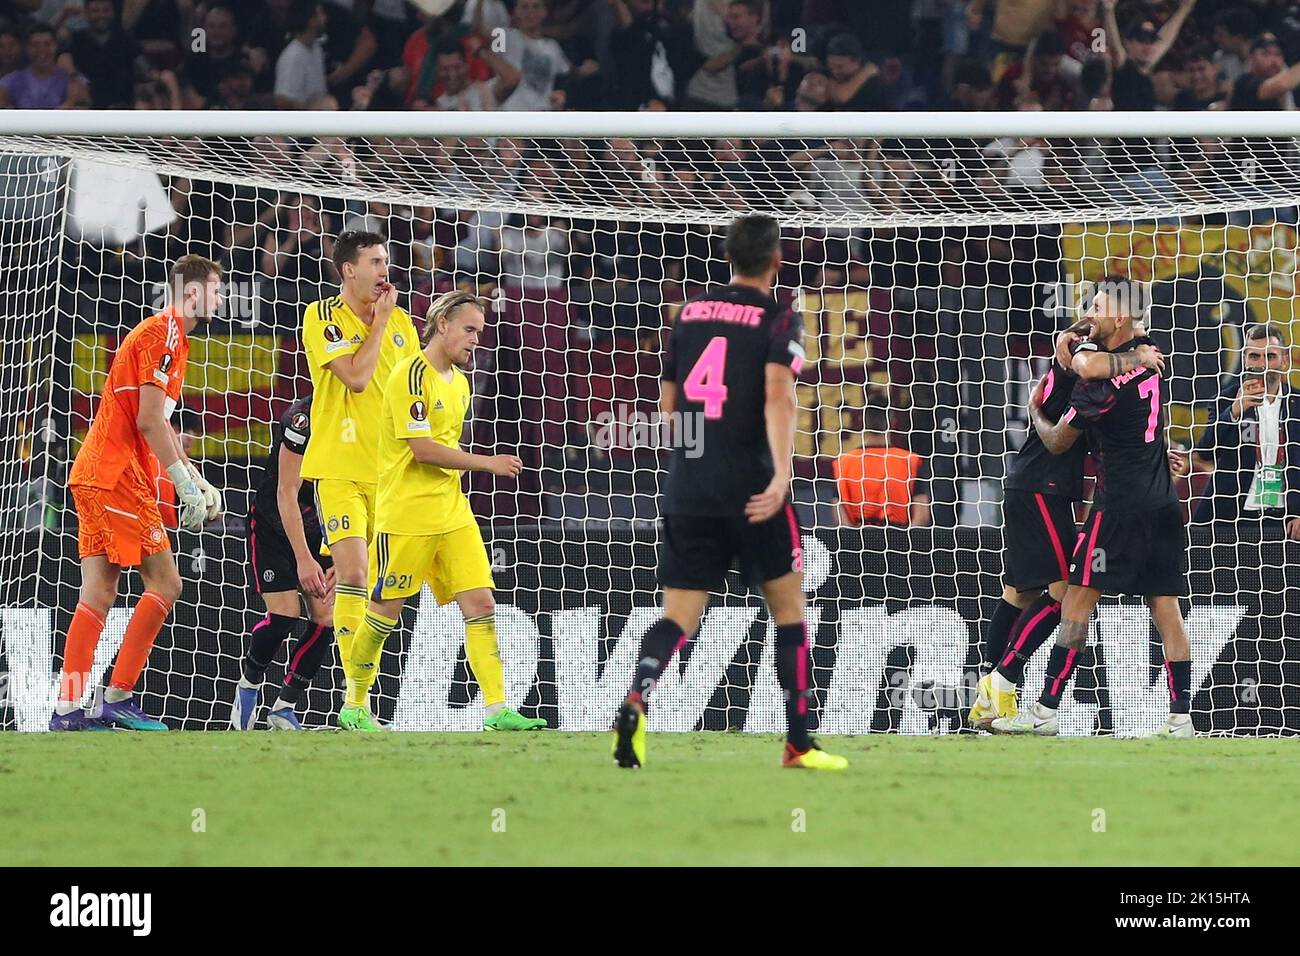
(116, 502)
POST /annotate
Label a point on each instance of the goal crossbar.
(646, 125)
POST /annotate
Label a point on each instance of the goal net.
(932, 259)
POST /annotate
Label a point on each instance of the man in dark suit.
(1253, 441)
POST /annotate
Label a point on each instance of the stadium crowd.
(651, 54)
(611, 286)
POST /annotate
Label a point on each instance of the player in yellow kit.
(425, 530)
(353, 341)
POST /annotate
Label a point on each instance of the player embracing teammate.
(1134, 540)
(1038, 525)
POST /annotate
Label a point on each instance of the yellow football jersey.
(416, 498)
(344, 441)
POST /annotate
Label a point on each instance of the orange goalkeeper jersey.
(154, 353)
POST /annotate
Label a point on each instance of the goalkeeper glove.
(193, 505)
(211, 497)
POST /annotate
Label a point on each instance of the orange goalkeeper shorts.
(122, 523)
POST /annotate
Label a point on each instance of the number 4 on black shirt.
(717, 355)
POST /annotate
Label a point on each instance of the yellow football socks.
(367, 649)
(485, 657)
(349, 610)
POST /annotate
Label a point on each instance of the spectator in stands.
(1014, 25)
(855, 83)
(1252, 440)
(390, 24)
(300, 70)
(331, 155)
(713, 87)
(679, 43)
(495, 14)
(237, 90)
(1233, 30)
(476, 255)
(1020, 163)
(838, 177)
(539, 62)
(351, 44)
(787, 71)
(1076, 22)
(363, 216)
(1135, 56)
(972, 88)
(813, 94)
(223, 52)
(300, 248)
(11, 52)
(158, 90)
(103, 54)
(1039, 75)
(459, 92)
(267, 24)
(644, 72)
(534, 250)
(422, 49)
(879, 484)
(756, 64)
(1268, 81)
(583, 28)
(157, 25)
(43, 84)
(1204, 90)
(1094, 85)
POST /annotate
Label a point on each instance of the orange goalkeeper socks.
(79, 653)
(141, 632)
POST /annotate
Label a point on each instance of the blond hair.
(443, 307)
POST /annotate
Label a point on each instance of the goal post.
(932, 256)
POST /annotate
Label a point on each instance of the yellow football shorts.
(451, 563)
(346, 509)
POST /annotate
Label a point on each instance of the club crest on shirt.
(155, 535)
(419, 412)
(268, 575)
(398, 340)
(333, 524)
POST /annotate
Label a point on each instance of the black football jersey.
(1126, 417)
(1036, 469)
(717, 354)
(293, 431)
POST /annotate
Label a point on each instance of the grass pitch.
(551, 798)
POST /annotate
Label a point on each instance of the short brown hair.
(187, 270)
(348, 246)
(1265, 331)
(1133, 297)
(751, 243)
(445, 305)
